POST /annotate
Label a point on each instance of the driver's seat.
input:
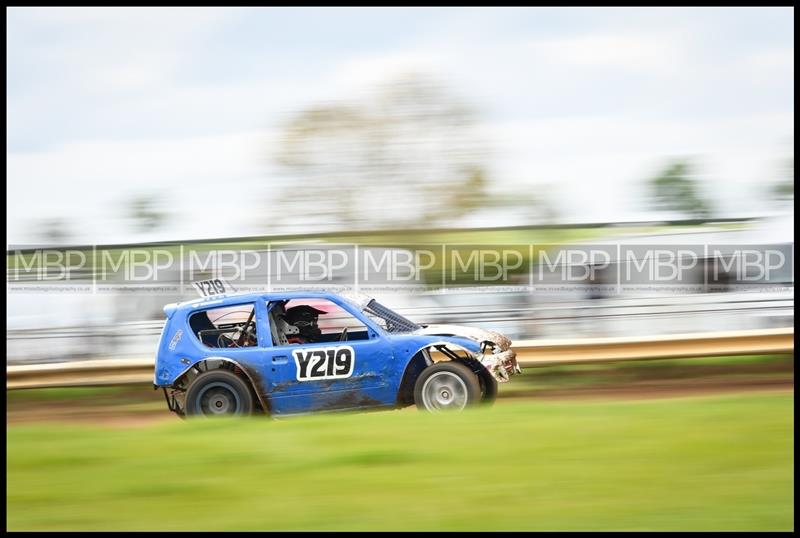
(279, 327)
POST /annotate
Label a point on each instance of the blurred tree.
(675, 190)
(784, 189)
(54, 230)
(406, 156)
(145, 212)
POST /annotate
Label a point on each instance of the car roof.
(237, 298)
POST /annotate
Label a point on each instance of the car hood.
(473, 333)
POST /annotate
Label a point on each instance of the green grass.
(720, 463)
(726, 360)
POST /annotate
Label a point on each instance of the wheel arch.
(421, 359)
(209, 364)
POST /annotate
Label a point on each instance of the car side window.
(306, 321)
(225, 327)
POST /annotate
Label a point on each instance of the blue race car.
(305, 352)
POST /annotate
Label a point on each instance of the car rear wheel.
(446, 386)
(219, 393)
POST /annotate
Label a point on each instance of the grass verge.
(703, 463)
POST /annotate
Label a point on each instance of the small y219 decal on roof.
(325, 363)
(211, 287)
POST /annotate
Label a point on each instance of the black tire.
(489, 388)
(219, 393)
(446, 385)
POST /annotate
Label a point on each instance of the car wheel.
(219, 393)
(488, 388)
(446, 386)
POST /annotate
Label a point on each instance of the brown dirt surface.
(131, 406)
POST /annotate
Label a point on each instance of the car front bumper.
(501, 365)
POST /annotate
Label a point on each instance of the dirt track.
(135, 406)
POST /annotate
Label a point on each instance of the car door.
(331, 374)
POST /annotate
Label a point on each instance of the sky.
(579, 104)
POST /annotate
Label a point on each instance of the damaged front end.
(501, 363)
(495, 352)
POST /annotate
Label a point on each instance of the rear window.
(225, 327)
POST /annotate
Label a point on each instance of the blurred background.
(393, 128)
(491, 126)
(131, 125)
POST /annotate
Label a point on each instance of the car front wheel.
(219, 393)
(489, 388)
(446, 386)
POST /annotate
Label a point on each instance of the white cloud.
(651, 53)
(770, 63)
(596, 166)
(210, 186)
(115, 101)
(366, 71)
